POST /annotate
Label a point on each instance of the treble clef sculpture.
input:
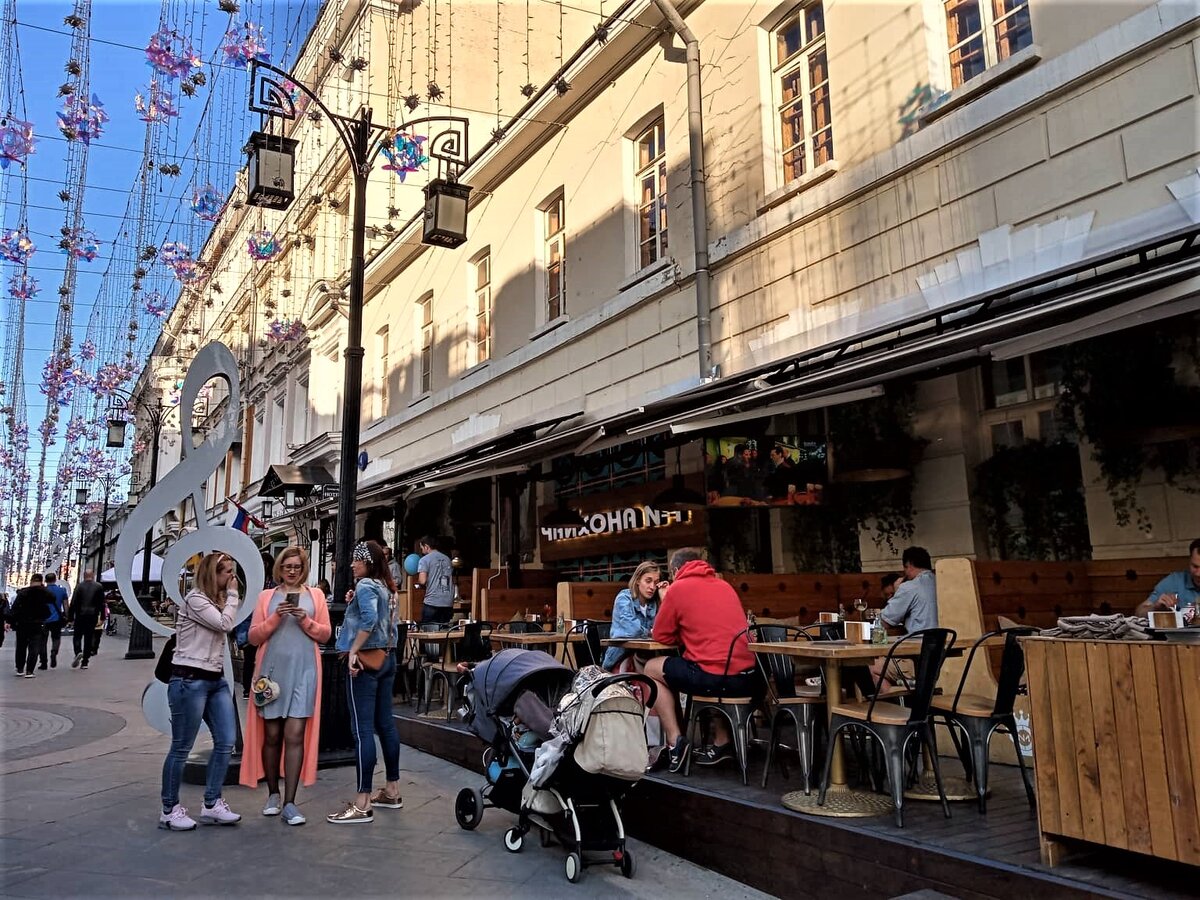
(198, 463)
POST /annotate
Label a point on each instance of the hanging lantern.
(16, 245)
(262, 245)
(173, 251)
(271, 171)
(16, 141)
(445, 220)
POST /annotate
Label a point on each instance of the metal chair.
(403, 658)
(892, 725)
(589, 651)
(799, 707)
(471, 647)
(737, 710)
(980, 717)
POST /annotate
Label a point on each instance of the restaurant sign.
(616, 521)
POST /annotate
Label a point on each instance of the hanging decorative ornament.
(76, 429)
(87, 351)
(111, 376)
(404, 154)
(285, 330)
(157, 305)
(81, 244)
(173, 251)
(16, 245)
(207, 203)
(262, 245)
(154, 103)
(170, 53)
(82, 120)
(189, 272)
(244, 44)
(298, 97)
(16, 141)
(23, 286)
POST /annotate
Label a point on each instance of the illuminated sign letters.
(614, 521)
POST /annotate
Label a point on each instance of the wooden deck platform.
(745, 832)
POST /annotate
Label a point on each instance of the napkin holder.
(858, 632)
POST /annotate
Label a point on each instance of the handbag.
(166, 659)
(372, 660)
(264, 691)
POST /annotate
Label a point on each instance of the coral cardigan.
(262, 627)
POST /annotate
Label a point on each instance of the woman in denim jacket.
(634, 610)
(368, 626)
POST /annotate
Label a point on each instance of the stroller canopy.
(498, 681)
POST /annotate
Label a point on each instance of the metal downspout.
(698, 188)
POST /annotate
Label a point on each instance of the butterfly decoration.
(284, 330)
(157, 305)
(262, 245)
(171, 54)
(207, 203)
(404, 153)
(155, 103)
(82, 120)
(16, 245)
(81, 244)
(244, 44)
(23, 286)
(16, 141)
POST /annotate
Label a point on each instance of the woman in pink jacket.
(289, 624)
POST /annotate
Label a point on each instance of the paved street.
(79, 781)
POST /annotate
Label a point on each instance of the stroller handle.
(627, 677)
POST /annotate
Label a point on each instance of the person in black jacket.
(3, 617)
(28, 616)
(86, 610)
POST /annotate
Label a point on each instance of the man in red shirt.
(701, 613)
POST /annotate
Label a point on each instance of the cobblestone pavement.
(79, 785)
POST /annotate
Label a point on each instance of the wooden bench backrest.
(501, 604)
(784, 596)
(588, 599)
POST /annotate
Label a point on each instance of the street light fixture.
(268, 509)
(271, 172)
(445, 220)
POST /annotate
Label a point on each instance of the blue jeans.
(370, 695)
(192, 701)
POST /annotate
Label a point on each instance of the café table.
(637, 644)
(539, 640)
(833, 656)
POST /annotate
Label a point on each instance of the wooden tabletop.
(534, 638)
(837, 650)
(637, 644)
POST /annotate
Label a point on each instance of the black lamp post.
(81, 498)
(271, 170)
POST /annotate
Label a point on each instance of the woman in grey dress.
(290, 623)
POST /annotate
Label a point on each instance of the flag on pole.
(243, 520)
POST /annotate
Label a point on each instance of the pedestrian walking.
(199, 692)
(84, 613)
(54, 621)
(367, 637)
(289, 624)
(4, 608)
(28, 617)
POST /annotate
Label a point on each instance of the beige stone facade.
(1083, 140)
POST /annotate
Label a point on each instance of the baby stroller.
(582, 761)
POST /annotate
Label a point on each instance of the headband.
(362, 553)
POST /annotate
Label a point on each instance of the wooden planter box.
(1116, 733)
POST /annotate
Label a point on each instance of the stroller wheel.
(628, 866)
(514, 840)
(574, 867)
(468, 808)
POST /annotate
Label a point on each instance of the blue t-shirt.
(1181, 585)
(439, 590)
(58, 608)
(914, 605)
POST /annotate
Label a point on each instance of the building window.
(481, 288)
(802, 92)
(1020, 399)
(981, 33)
(382, 373)
(650, 183)
(300, 422)
(554, 254)
(259, 458)
(424, 380)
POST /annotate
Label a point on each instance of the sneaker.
(78, 660)
(54, 661)
(383, 801)
(273, 805)
(679, 754)
(84, 666)
(176, 820)
(218, 814)
(351, 815)
(711, 756)
(19, 673)
(292, 815)
(30, 675)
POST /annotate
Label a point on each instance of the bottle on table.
(878, 632)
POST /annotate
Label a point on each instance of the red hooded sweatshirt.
(702, 612)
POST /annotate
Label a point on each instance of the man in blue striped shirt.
(1178, 590)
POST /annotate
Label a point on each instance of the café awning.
(301, 479)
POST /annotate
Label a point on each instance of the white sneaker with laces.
(176, 820)
(218, 814)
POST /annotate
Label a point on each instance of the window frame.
(655, 166)
(800, 63)
(383, 394)
(1027, 412)
(479, 349)
(554, 240)
(989, 23)
(424, 337)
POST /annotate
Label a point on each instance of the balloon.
(411, 563)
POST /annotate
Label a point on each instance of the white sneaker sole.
(295, 820)
(167, 826)
(208, 821)
(350, 821)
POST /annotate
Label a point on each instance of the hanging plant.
(875, 453)
(404, 154)
(16, 245)
(244, 44)
(82, 120)
(286, 330)
(1032, 501)
(1133, 397)
(262, 245)
(154, 103)
(171, 54)
(23, 286)
(16, 141)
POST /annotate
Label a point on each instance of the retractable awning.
(301, 479)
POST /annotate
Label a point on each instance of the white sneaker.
(176, 820)
(292, 815)
(218, 814)
(273, 805)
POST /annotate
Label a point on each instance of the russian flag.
(243, 520)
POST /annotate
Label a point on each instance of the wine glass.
(859, 605)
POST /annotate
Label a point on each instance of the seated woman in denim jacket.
(634, 610)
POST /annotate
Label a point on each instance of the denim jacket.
(370, 610)
(629, 620)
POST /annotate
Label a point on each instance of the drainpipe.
(699, 192)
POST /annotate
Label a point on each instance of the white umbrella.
(156, 564)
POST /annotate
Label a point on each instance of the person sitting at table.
(1179, 590)
(634, 610)
(912, 607)
(888, 584)
(701, 613)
